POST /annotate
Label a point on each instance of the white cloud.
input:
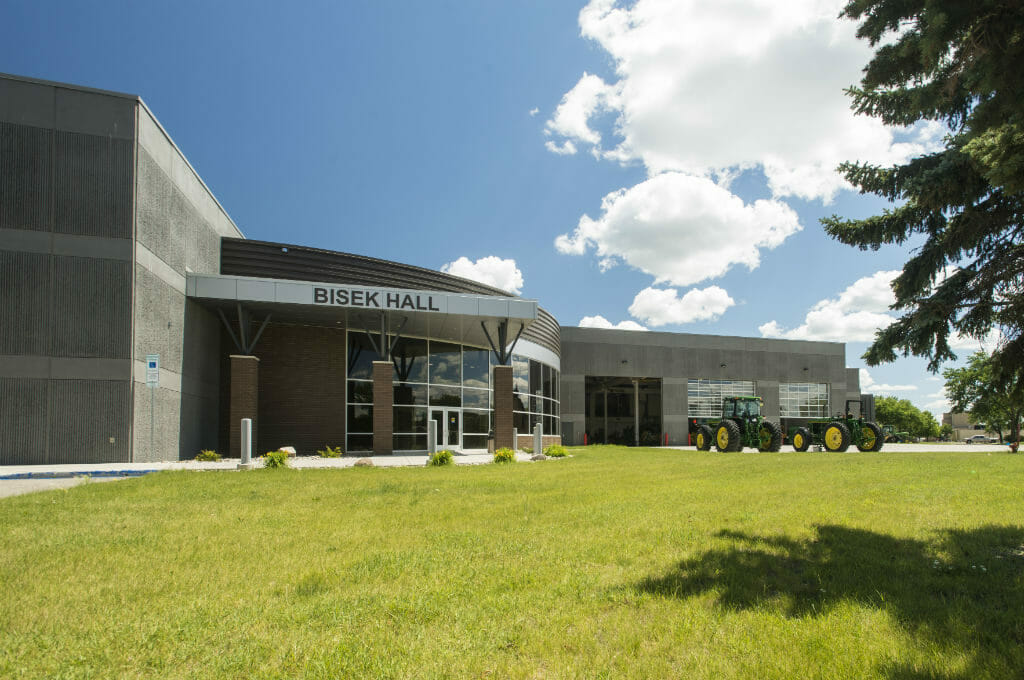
(854, 316)
(572, 117)
(681, 229)
(868, 384)
(940, 402)
(659, 306)
(490, 270)
(567, 148)
(599, 321)
(534, 111)
(707, 86)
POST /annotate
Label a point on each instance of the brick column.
(383, 401)
(503, 407)
(245, 382)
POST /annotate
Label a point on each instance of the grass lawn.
(614, 563)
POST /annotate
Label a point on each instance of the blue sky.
(429, 132)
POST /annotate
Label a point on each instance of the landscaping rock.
(364, 462)
(290, 450)
(538, 456)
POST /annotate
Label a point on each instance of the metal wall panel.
(93, 185)
(240, 257)
(22, 421)
(91, 308)
(24, 303)
(89, 421)
(26, 177)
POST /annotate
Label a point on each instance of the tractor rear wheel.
(727, 437)
(801, 439)
(704, 438)
(837, 437)
(870, 437)
(769, 436)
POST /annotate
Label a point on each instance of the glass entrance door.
(449, 427)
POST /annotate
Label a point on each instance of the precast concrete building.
(138, 324)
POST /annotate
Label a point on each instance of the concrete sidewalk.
(19, 479)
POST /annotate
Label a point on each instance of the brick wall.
(383, 401)
(526, 440)
(302, 388)
(503, 406)
(245, 375)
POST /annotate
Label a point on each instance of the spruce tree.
(960, 64)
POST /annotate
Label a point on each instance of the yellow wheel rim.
(868, 438)
(723, 438)
(833, 438)
(798, 441)
(700, 440)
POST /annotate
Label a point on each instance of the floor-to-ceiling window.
(449, 383)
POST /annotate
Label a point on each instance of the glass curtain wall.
(432, 374)
(534, 396)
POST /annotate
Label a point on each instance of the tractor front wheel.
(704, 438)
(769, 437)
(837, 437)
(870, 437)
(801, 439)
(727, 437)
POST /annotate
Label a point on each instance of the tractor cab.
(746, 409)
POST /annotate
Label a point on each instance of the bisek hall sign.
(375, 299)
(271, 293)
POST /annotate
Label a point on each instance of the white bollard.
(515, 438)
(431, 436)
(538, 442)
(246, 463)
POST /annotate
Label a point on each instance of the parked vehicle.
(977, 439)
(837, 434)
(741, 425)
(892, 437)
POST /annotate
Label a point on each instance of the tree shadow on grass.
(963, 592)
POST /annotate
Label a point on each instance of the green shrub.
(275, 459)
(208, 455)
(328, 452)
(440, 458)
(556, 451)
(504, 455)
(526, 449)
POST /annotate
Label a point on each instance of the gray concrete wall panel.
(157, 418)
(24, 303)
(27, 103)
(155, 140)
(22, 421)
(93, 185)
(65, 244)
(94, 113)
(89, 421)
(200, 371)
(152, 209)
(91, 308)
(44, 367)
(159, 319)
(26, 177)
(198, 425)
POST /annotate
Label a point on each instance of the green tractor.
(892, 437)
(836, 435)
(741, 425)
